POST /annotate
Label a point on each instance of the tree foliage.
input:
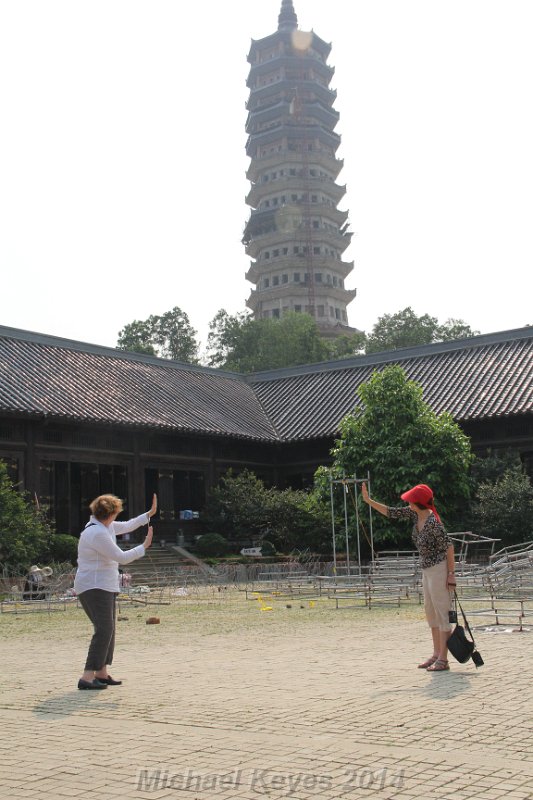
(494, 465)
(241, 343)
(298, 522)
(241, 508)
(63, 548)
(238, 507)
(454, 329)
(24, 534)
(167, 336)
(225, 333)
(401, 442)
(244, 344)
(406, 329)
(212, 545)
(503, 506)
(346, 345)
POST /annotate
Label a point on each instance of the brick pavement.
(300, 703)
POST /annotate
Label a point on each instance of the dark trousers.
(100, 607)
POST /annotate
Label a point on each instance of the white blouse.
(99, 555)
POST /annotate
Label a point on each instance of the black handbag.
(460, 646)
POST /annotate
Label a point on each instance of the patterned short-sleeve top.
(431, 542)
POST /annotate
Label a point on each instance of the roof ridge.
(51, 340)
(400, 354)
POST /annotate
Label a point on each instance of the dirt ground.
(224, 699)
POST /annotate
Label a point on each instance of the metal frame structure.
(346, 483)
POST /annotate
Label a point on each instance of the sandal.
(425, 664)
(440, 665)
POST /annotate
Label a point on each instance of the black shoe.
(109, 681)
(96, 684)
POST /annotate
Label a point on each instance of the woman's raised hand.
(154, 506)
(149, 536)
(364, 492)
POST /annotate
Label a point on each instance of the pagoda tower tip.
(287, 19)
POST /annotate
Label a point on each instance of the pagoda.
(296, 235)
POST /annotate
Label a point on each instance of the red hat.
(423, 495)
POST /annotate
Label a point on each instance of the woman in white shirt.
(97, 581)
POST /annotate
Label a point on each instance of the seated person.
(33, 585)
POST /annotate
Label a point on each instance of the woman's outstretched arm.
(383, 509)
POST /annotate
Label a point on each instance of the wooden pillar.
(166, 495)
(46, 491)
(136, 486)
(31, 471)
(211, 475)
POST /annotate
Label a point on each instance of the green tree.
(242, 508)
(494, 465)
(406, 329)
(267, 548)
(225, 333)
(244, 344)
(238, 508)
(346, 345)
(137, 337)
(212, 545)
(24, 534)
(454, 329)
(167, 336)
(503, 508)
(401, 442)
(62, 548)
(297, 521)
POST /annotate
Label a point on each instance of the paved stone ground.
(230, 702)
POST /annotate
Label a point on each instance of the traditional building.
(78, 420)
(296, 235)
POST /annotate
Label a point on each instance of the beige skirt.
(437, 597)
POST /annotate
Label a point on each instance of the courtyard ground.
(225, 700)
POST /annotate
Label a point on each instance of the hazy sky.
(122, 163)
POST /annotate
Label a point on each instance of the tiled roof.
(43, 376)
(479, 378)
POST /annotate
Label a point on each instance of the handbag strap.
(467, 626)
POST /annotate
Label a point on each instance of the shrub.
(24, 534)
(242, 508)
(63, 548)
(239, 507)
(503, 508)
(494, 465)
(212, 545)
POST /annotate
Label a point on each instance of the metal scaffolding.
(347, 483)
